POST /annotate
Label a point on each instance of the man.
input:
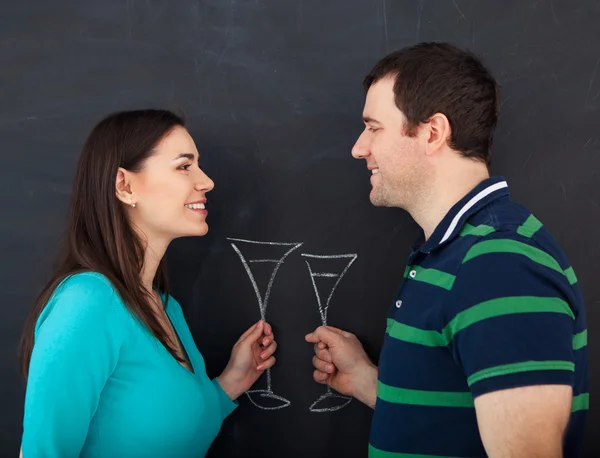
(485, 351)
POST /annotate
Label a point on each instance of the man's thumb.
(322, 334)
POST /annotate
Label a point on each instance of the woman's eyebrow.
(189, 156)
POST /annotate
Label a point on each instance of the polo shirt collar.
(485, 192)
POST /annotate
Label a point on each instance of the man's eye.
(372, 129)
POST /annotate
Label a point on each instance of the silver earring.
(133, 205)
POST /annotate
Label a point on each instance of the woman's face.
(170, 191)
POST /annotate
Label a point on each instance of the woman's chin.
(197, 231)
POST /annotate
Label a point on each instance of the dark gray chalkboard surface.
(272, 92)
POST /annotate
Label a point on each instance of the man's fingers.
(323, 366)
(320, 377)
(323, 353)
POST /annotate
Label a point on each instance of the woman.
(111, 366)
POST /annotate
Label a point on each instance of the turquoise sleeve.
(77, 342)
(227, 405)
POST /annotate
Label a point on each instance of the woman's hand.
(251, 355)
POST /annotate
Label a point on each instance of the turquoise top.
(101, 385)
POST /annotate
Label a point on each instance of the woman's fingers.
(256, 329)
(266, 341)
(269, 350)
(268, 330)
(267, 364)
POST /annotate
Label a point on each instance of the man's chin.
(382, 201)
(378, 200)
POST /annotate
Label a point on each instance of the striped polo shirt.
(489, 302)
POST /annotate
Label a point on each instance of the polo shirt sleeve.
(511, 323)
(78, 337)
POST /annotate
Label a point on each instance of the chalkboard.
(272, 93)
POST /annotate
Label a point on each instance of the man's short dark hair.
(441, 78)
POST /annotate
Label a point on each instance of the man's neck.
(444, 193)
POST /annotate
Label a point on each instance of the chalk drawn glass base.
(267, 400)
(264, 399)
(330, 402)
(336, 268)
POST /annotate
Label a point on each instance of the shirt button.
(413, 273)
(398, 304)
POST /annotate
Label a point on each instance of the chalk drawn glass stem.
(264, 399)
(330, 401)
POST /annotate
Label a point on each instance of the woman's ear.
(123, 187)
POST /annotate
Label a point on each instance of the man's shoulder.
(503, 215)
(511, 253)
(511, 228)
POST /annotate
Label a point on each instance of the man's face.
(397, 161)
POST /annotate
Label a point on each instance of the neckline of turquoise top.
(192, 372)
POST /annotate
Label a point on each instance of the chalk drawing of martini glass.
(249, 252)
(332, 269)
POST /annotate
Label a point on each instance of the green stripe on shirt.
(570, 274)
(376, 453)
(414, 335)
(529, 227)
(424, 398)
(515, 368)
(482, 311)
(512, 246)
(580, 340)
(581, 402)
(431, 276)
(481, 230)
(504, 306)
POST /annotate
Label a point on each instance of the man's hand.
(526, 422)
(341, 362)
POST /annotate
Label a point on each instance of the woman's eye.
(185, 167)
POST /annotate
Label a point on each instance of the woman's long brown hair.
(99, 235)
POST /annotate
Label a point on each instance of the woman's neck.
(153, 254)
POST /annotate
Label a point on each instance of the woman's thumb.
(257, 331)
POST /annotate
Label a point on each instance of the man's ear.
(438, 132)
(123, 187)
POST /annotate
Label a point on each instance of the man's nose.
(361, 150)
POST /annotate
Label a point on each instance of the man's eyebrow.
(189, 156)
(367, 119)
